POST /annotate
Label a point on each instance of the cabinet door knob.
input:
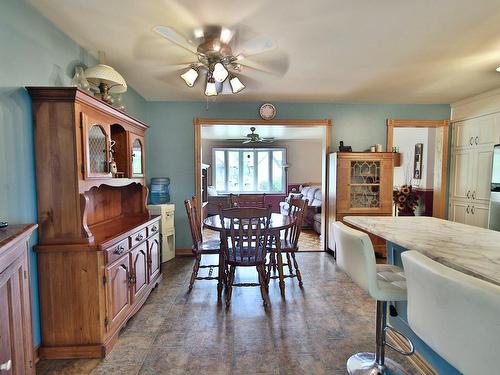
(139, 237)
(6, 366)
(467, 209)
(154, 228)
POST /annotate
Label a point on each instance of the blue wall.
(33, 52)
(170, 140)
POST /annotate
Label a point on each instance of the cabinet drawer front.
(153, 228)
(138, 237)
(116, 251)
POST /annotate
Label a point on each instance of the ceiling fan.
(222, 53)
(252, 137)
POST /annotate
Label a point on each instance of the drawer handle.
(474, 194)
(139, 237)
(119, 249)
(468, 194)
(471, 141)
(472, 210)
(154, 228)
(6, 366)
(467, 209)
(477, 140)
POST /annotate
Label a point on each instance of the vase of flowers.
(405, 200)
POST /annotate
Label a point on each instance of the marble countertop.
(472, 250)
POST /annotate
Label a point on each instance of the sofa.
(313, 194)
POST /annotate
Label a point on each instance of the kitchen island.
(471, 250)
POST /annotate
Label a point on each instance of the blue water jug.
(159, 190)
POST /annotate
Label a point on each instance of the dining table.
(277, 224)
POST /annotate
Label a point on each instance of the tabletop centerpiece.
(405, 200)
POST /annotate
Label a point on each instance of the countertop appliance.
(494, 220)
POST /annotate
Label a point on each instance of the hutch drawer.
(153, 229)
(116, 251)
(138, 237)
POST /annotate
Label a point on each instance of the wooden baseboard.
(416, 359)
(183, 252)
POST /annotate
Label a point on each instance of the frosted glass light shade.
(220, 73)
(236, 85)
(210, 89)
(102, 73)
(190, 76)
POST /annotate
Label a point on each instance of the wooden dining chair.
(248, 200)
(289, 245)
(201, 247)
(244, 239)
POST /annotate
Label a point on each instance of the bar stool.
(383, 282)
(457, 315)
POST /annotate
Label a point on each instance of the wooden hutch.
(360, 185)
(99, 249)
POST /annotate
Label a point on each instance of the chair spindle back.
(194, 221)
(246, 232)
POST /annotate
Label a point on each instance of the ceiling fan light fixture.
(210, 89)
(236, 84)
(190, 76)
(226, 35)
(220, 72)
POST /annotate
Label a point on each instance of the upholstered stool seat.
(383, 282)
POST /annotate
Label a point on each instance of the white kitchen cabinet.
(471, 163)
(462, 173)
(469, 213)
(458, 212)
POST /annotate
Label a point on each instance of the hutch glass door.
(137, 167)
(365, 184)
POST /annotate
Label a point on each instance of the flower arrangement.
(405, 200)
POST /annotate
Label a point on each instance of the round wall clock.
(267, 111)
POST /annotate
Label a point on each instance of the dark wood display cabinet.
(16, 340)
(99, 249)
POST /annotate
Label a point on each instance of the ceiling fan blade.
(173, 36)
(236, 139)
(255, 46)
(247, 141)
(275, 63)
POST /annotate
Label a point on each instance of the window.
(245, 170)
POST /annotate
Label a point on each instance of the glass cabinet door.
(365, 184)
(96, 147)
(137, 156)
(98, 162)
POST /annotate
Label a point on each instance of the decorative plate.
(267, 111)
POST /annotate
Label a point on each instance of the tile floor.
(313, 331)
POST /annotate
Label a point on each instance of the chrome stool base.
(364, 364)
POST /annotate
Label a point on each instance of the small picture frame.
(417, 161)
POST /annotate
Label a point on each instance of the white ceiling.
(397, 51)
(222, 132)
